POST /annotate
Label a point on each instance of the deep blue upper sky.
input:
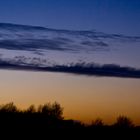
(112, 16)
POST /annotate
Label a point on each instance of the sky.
(84, 96)
(112, 16)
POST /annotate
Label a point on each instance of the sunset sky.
(50, 50)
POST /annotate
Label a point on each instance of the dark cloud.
(34, 44)
(99, 43)
(16, 27)
(33, 38)
(108, 70)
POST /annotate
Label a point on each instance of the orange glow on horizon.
(83, 98)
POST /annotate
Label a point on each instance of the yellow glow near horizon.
(83, 98)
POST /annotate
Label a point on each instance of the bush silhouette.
(8, 108)
(124, 122)
(51, 110)
(97, 123)
(31, 109)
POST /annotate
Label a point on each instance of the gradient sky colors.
(83, 97)
(112, 16)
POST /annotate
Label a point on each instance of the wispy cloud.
(32, 38)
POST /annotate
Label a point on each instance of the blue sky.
(113, 16)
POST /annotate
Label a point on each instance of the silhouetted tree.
(57, 110)
(31, 109)
(51, 110)
(8, 108)
(124, 122)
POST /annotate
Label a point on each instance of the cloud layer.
(25, 47)
(32, 38)
(108, 70)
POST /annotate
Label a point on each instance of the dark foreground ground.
(47, 122)
(42, 128)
